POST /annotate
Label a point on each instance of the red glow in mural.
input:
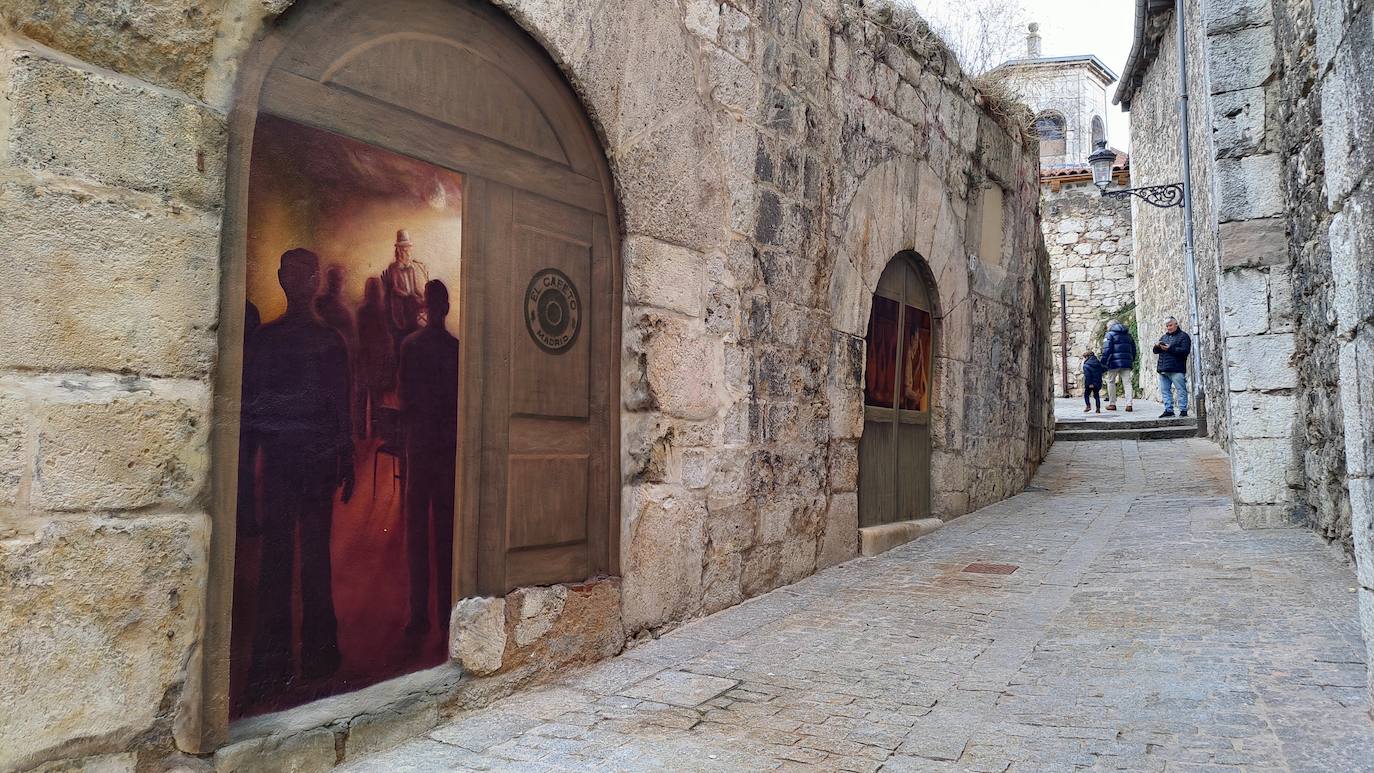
(880, 372)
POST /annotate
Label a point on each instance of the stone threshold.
(880, 539)
(381, 698)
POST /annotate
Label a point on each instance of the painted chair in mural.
(386, 428)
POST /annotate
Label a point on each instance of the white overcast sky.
(1069, 27)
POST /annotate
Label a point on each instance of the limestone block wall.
(769, 159)
(1256, 276)
(1161, 285)
(1297, 126)
(1089, 239)
(1344, 57)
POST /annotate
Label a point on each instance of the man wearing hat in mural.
(404, 281)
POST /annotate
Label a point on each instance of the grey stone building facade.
(1281, 106)
(769, 160)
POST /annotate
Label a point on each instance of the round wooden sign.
(553, 311)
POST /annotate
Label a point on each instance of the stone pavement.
(1141, 631)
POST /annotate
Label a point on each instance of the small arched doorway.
(419, 346)
(895, 450)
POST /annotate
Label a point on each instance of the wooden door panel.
(469, 92)
(913, 474)
(375, 121)
(544, 504)
(546, 500)
(546, 566)
(476, 28)
(549, 342)
(877, 468)
(895, 453)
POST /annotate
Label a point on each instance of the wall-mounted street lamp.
(1163, 196)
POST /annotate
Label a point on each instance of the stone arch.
(1052, 129)
(1099, 131)
(524, 147)
(899, 208)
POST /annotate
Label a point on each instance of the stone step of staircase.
(1141, 423)
(1173, 431)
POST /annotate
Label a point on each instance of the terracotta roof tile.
(1122, 164)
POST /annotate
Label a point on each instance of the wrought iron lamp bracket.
(1162, 196)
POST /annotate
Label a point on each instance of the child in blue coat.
(1092, 380)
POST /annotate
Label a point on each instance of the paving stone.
(680, 688)
(1143, 631)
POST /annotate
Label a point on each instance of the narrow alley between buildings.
(1141, 629)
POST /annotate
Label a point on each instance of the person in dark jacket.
(1092, 380)
(1172, 351)
(1118, 357)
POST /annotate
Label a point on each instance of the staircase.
(1068, 430)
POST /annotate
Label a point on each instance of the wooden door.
(545, 474)
(894, 453)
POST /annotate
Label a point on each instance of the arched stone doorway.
(895, 450)
(415, 181)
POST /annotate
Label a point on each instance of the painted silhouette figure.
(429, 415)
(332, 309)
(296, 411)
(376, 371)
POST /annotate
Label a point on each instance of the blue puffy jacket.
(1118, 348)
(1092, 371)
(1173, 358)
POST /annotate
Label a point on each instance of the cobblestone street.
(1141, 630)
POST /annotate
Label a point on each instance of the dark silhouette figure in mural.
(296, 412)
(404, 281)
(334, 312)
(376, 371)
(429, 414)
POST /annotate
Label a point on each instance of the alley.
(1141, 630)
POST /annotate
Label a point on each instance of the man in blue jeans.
(1173, 349)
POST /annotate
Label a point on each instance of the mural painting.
(916, 356)
(880, 371)
(349, 420)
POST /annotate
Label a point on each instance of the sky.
(1069, 27)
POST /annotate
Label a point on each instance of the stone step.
(1141, 433)
(1141, 423)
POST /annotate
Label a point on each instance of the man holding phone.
(1172, 350)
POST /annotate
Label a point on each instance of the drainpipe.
(1189, 257)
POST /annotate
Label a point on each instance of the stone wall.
(769, 159)
(1089, 239)
(1256, 277)
(1156, 159)
(1298, 138)
(1344, 58)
